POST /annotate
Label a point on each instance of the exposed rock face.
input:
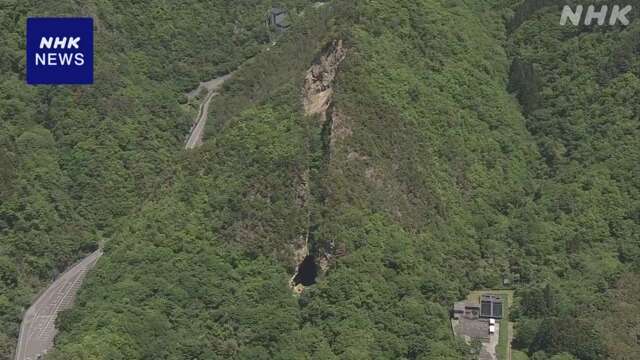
(317, 100)
(301, 245)
(318, 88)
(318, 92)
(339, 128)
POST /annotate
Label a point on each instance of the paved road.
(212, 86)
(488, 351)
(510, 338)
(38, 324)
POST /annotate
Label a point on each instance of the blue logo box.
(59, 50)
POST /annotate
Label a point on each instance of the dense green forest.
(456, 150)
(77, 161)
(582, 239)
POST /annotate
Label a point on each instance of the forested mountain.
(75, 161)
(583, 235)
(410, 151)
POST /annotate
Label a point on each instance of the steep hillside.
(582, 240)
(360, 174)
(401, 182)
(74, 161)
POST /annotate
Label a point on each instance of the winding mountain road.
(38, 324)
(212, 86)
(37, 330)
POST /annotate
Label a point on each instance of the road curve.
(38, 324)
(212, 86)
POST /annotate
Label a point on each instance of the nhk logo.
(53, 58)
(59, 50)
(618, 14)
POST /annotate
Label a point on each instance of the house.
(277, 19)
(458, 310)
(467, 310)
(479, 318)
(490, 306)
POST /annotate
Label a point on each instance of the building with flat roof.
(491, 306)
(467, 310)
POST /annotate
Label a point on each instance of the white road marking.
(38, 325)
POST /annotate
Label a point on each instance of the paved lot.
(474, 329)
(38, 324)
(470, 329)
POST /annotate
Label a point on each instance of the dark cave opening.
(307, 271)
